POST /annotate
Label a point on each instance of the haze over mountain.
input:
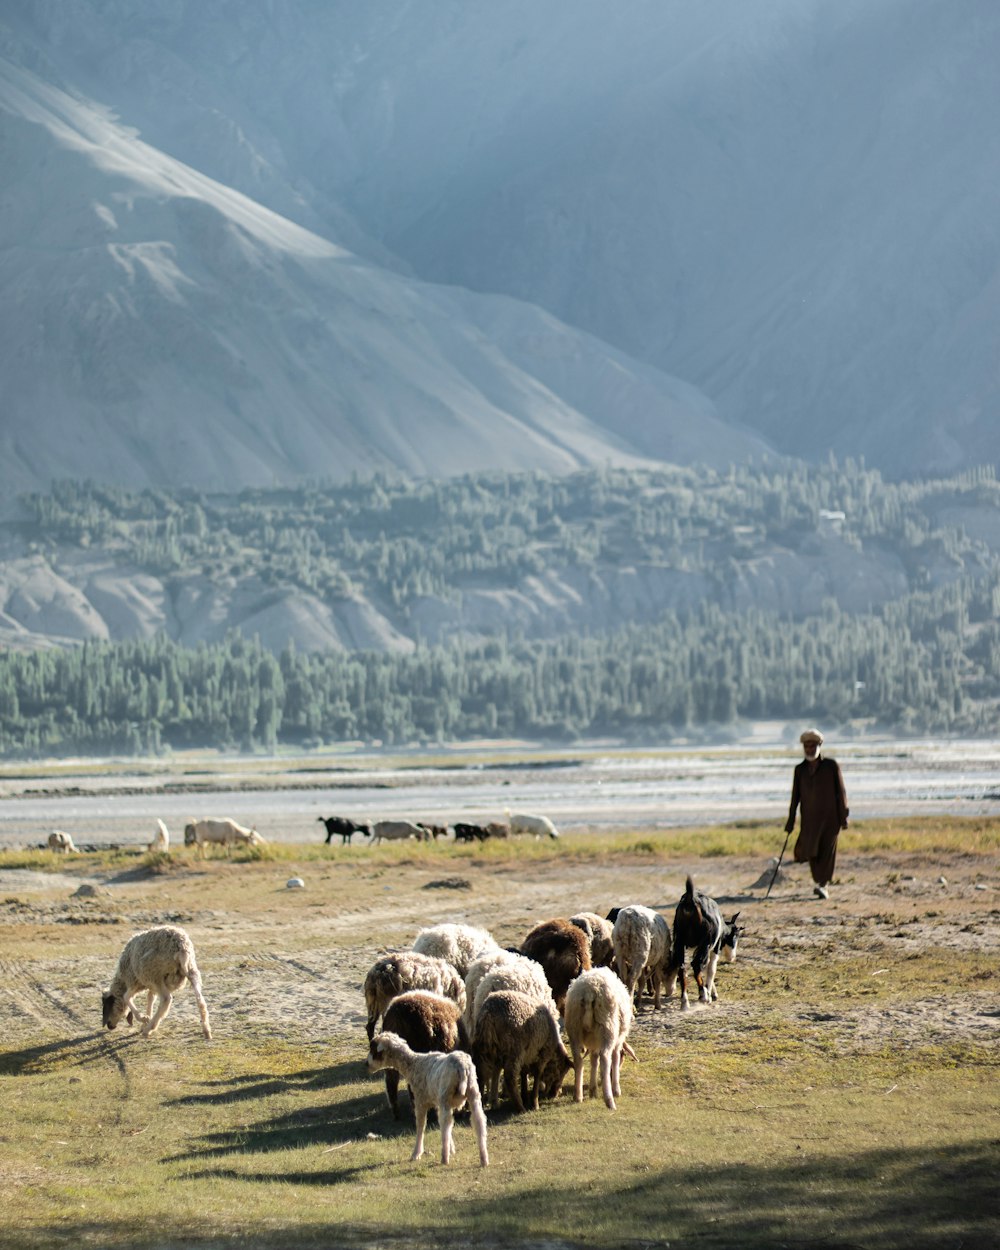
(247, 241)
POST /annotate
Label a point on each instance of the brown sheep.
(426, 1022)
(563, 950)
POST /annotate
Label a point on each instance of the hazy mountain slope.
(791, 204)
(159, 327)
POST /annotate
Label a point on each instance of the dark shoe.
(821, 891)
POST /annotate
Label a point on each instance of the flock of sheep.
(457, 1012)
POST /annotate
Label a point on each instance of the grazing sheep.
(227, 833)
(494, 829)
(161, 839)
(340, 826)
(518, 973)
(435, 1080)
(535, 826)
(642, 949)
(481, 967)
(395, 973)
(598, 1019)
(158, 960)
(599, 934)
(397, 831)
(460, 944)
(62, 842)
(519, 1036)
(699, 925)
(425, 1022)
(432, 831)
(563, 951)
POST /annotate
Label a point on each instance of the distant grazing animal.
(425, 1022)
(158, 960)
(445, 1081)
(699, 926)
(562, 949)
(62, 842)
(434, 831)
(469, 833)
(227, 833)
(397, 831)
(495, 829)
(598, 1019)
(340, 826)
(535, 826)
(161, 838)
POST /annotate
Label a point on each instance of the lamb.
(563, 951)
(446, 1081)
(458, 943)
(642, 949)
(465, 832)
(432, 831)
(62, 842)
(426, 1022)
(598, 1019)
(395, 973)
(519, 1036)
(599, 934)
(161, 839)
(157, 960)
(536, 826)
(227, 833)
(699, 925)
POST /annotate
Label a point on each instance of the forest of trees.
(929, 662)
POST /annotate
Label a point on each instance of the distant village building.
(833, 518)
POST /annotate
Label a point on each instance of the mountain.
(431, 236)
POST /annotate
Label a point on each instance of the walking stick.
(774, 875)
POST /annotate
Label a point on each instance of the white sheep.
(460, 944)
(599, 932)
(478, 969)
(444, 1081)
(522, 975)
(534, 826)
(399, 971)
(62, 842)
(641, 939)
(227, 833)
(157, 960)
(161, 839)
(598, 1019)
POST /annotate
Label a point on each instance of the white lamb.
(641, 939)
(598, 1019)
(62, 842)
(399, 971)
(444, 1081)
(159, 961)
(161, 839)
(460, 944)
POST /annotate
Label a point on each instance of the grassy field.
(842, 1092)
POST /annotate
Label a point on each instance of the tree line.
(928, 663)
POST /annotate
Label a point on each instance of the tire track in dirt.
(32, 997)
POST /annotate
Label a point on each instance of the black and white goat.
(699, 926)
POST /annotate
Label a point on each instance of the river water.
(577, 790)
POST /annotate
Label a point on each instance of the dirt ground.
(290, 962)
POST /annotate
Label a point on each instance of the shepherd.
(818, 788)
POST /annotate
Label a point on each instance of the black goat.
(344, 827)
(699, 926)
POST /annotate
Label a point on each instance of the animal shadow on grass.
(67, 1052)
(328, 1125)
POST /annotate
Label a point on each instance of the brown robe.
(823, 799)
